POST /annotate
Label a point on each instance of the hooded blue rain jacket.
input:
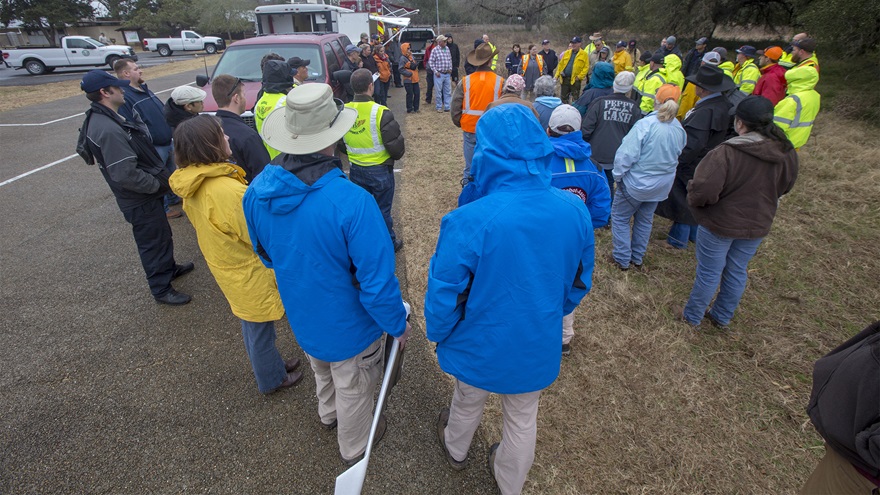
(510, 264)
(333, 260)
(584, 181)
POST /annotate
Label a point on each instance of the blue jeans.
(630, 245)
(608, 175)
(443, 91)
(720, 261)
(680, 234)
(380, 92)
(378, 180)
(469, 140)
(412, 96)
(166, 153)
(259, 341)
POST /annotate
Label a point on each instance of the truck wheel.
(210, 49)
(164, 51)
(111, 60)
(35, 67)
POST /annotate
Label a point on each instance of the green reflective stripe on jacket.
(569, 165)
(364, 141)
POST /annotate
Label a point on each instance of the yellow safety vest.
(495, 58)
(364, 141)
(267, 103)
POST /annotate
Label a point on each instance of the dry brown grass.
(643, 404)
(12, 97)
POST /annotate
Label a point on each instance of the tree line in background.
(157, 17)
(852, 24)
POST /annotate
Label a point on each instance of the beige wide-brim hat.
(481, 55)
(309, 121)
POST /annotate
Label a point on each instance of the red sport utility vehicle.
(326, 51)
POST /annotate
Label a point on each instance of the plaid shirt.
(441, 60)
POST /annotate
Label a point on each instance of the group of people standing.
(284, 229)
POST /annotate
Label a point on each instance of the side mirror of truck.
(201, 81)
(342, 76)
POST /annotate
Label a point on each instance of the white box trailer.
(319, 18)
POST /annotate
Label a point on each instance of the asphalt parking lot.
(104, 391)
(18, 77)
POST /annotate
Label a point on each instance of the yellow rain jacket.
(212, 195)
(622, 61)
(727, 66)
(578, 70)
(796, 112)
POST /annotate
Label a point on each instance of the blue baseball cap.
(352, 48)
(96, 79)
(747, 50)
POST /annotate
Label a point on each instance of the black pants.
(152, 234)
(429, 93)
(395, 72)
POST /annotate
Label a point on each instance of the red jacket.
(772, 83)
(428, 56)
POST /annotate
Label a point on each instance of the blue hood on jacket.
(550, 102)
(571, 145)
(282, 191)
(603, 76)
(512, 151)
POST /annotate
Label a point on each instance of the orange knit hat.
(773, 53)
(667, 92)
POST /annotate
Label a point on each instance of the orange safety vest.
(525, 64)
(479, 90)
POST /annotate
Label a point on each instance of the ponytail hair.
(770, 131)
(667, 111)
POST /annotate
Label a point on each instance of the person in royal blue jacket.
(507, 267)
(334, 263)
(573, 171)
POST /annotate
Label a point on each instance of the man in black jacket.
(455, 53)
(706, 126)
(551, 60)
(138, 178)
(247, 146)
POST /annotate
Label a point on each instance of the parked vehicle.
(418, 38)
(188, 41)
(75, 51)
(242, 60)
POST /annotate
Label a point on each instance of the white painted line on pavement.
(44, 167)
(69, 117)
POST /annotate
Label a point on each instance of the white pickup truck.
(75, 51)
(188, 41)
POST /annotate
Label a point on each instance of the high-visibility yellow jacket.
(578, 70)
(363, 141)
(641, 74)
(672, 70)
(727, 67)
(688, 101)
(786, 61)
(495, 58)
(649, 88)
(796, 112)
(746, 76)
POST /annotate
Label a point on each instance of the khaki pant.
(515, 455)
(345, 393)
(567, 328)
(834, 475)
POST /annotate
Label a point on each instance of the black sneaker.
(442, 421)
(174, 298)
(715, 323)
(181, 270)
(566, 349)
(398, 245)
